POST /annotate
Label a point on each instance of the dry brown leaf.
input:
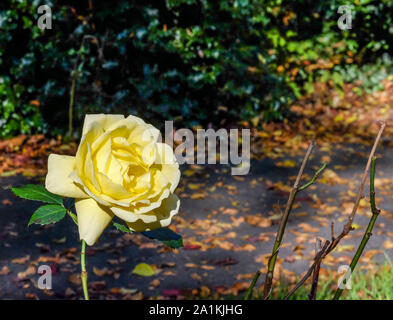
(388, 244)
(307, 228)
(22, 260)
(258, 221)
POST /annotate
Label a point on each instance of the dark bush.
(193, 61)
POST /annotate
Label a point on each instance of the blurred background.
(194, 61)
(284, 69)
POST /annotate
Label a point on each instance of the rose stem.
(84, 272)
(267, 288)
(368, 233)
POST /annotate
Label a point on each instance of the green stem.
(83, 259)
(252, 285)
(315, 177)
(83, 271)
(75, 75)
(368, 233)
(72, 215)
(71, 104)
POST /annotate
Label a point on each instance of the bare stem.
(368, 232)
(315, 277)
(284, 219)
(317, 260)
(75, 76)
(348, 226)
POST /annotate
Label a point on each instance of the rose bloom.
(120, 169)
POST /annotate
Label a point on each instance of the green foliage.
(373, 283)
(121, 227)
(37, 193)
(182, 59)
(166, 236)
(50, 213)
(16, 116)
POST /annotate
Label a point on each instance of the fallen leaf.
(286, 164)
(343, 248)
(75, 278)
(307, 228)
(258, 221)
(230, 211)
(144, 270)
(4, 271)
(22, 260)
(100, 272)
(388, 244)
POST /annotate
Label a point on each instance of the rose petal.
(57, 180)
(104, 120)
(92, 219)
(169, 165)
(169, 207)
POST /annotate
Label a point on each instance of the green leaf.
(166, 236)
(144, 270)
(174, 244)
(50, 213)
(38, 193)
(121, 227)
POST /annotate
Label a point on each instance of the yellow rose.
(120, 169)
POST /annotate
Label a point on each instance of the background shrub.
(195, 61)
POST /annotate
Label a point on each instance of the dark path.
(228, 225)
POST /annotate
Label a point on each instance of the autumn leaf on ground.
(343, 248)
(22, 260)
(388, 244)
(4, 271)
(194, 186)
(100, 272)
(75, 278)
(308, 228)
(286, 164)
(199, 195)
(144, 270)
(123, 291)
(258, 221)
(230, 211)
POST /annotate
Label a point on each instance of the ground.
(228, 223)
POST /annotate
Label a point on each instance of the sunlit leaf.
(47, 214)
(38, 193)
(144, 270)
